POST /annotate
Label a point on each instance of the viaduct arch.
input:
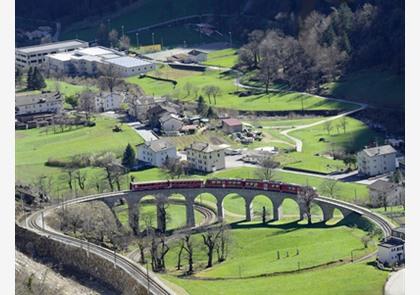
(161, 196)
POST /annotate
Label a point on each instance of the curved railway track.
(35, 223)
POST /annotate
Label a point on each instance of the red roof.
(232, 122)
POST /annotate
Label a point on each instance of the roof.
(205, 147)
(21, 100)
(380, 150)
(232, 122)
(195, 52)
(63, 56)
(188, 127)
(391, 242)
(128, 61)
(159, 145)
(53, 46)
(166, 116)
(97, 50)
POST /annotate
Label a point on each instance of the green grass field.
(225, 58)
(176, 213)
(379, 88)
(351, 279)
(34, 147)
(356, 136)
(67, 89)
(263, 102)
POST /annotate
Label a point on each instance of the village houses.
(377, 160)
(206, 157)
(156, 152)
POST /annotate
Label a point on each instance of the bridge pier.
(189, 204)
(327, 212)
(220, 210)
(276, 202)
(248, 210)
(133, 215)
(160, 219)
(302, 211)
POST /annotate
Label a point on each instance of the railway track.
(34, 222)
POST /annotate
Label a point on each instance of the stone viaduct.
(161, 196)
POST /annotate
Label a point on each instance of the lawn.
(379, 88)
(285, 101)
(360, 279)
(176, 215)
(317, 142)
(225, 58)
(34, 147)
(66, 88)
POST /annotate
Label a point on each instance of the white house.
(38, 103)
(377, 160)
(156, 152)
(108, 102)
(170, 124)
(36, 55)
(382, 190)
(206, 157)
(391, 250)
(197, 56)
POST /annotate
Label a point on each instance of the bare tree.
(158, 251)
(110, 78)
(189, 248)
(174, 168)
(113, 37)
(343, 123)
(267, 170)
(328, 126)
(181, 249)
(208, 91)
(87, 103)
(306, 196)
(329, 187)
(223, 242)
(81, 178)
(366, 240)
(216, 91)
(210, 238)
(188, 88)
(124, 43)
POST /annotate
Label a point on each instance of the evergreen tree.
(29, 79)
(129, 157)
(35, 79)
(201, 105)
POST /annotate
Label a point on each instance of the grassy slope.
(67, 89)
(33, 147)
(379, 88)
(356, 137)
(360, 279)
(148, 13)
(271, 102)
(226, 58)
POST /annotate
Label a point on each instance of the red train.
(217, 183)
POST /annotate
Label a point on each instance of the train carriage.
(184, 183)
(274, 186)
(256, 184)
(154, 185)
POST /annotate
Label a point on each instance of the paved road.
(396, 283)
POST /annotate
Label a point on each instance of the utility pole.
(153, 38)
(147, 276)
(230, 38)
(137, 38)
(122, 30)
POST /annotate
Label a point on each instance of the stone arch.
(237, 205)
(318, 213)
(290, 209)
(262, 200)
(337, 216)
(212, 200)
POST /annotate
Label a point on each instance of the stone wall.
(76, 258)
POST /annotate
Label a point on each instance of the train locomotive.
(253, 184)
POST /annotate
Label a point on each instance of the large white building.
(156, 152)
(36, 55)
(377, 160)
(38, 103)
(206, 157)
(90, 61)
